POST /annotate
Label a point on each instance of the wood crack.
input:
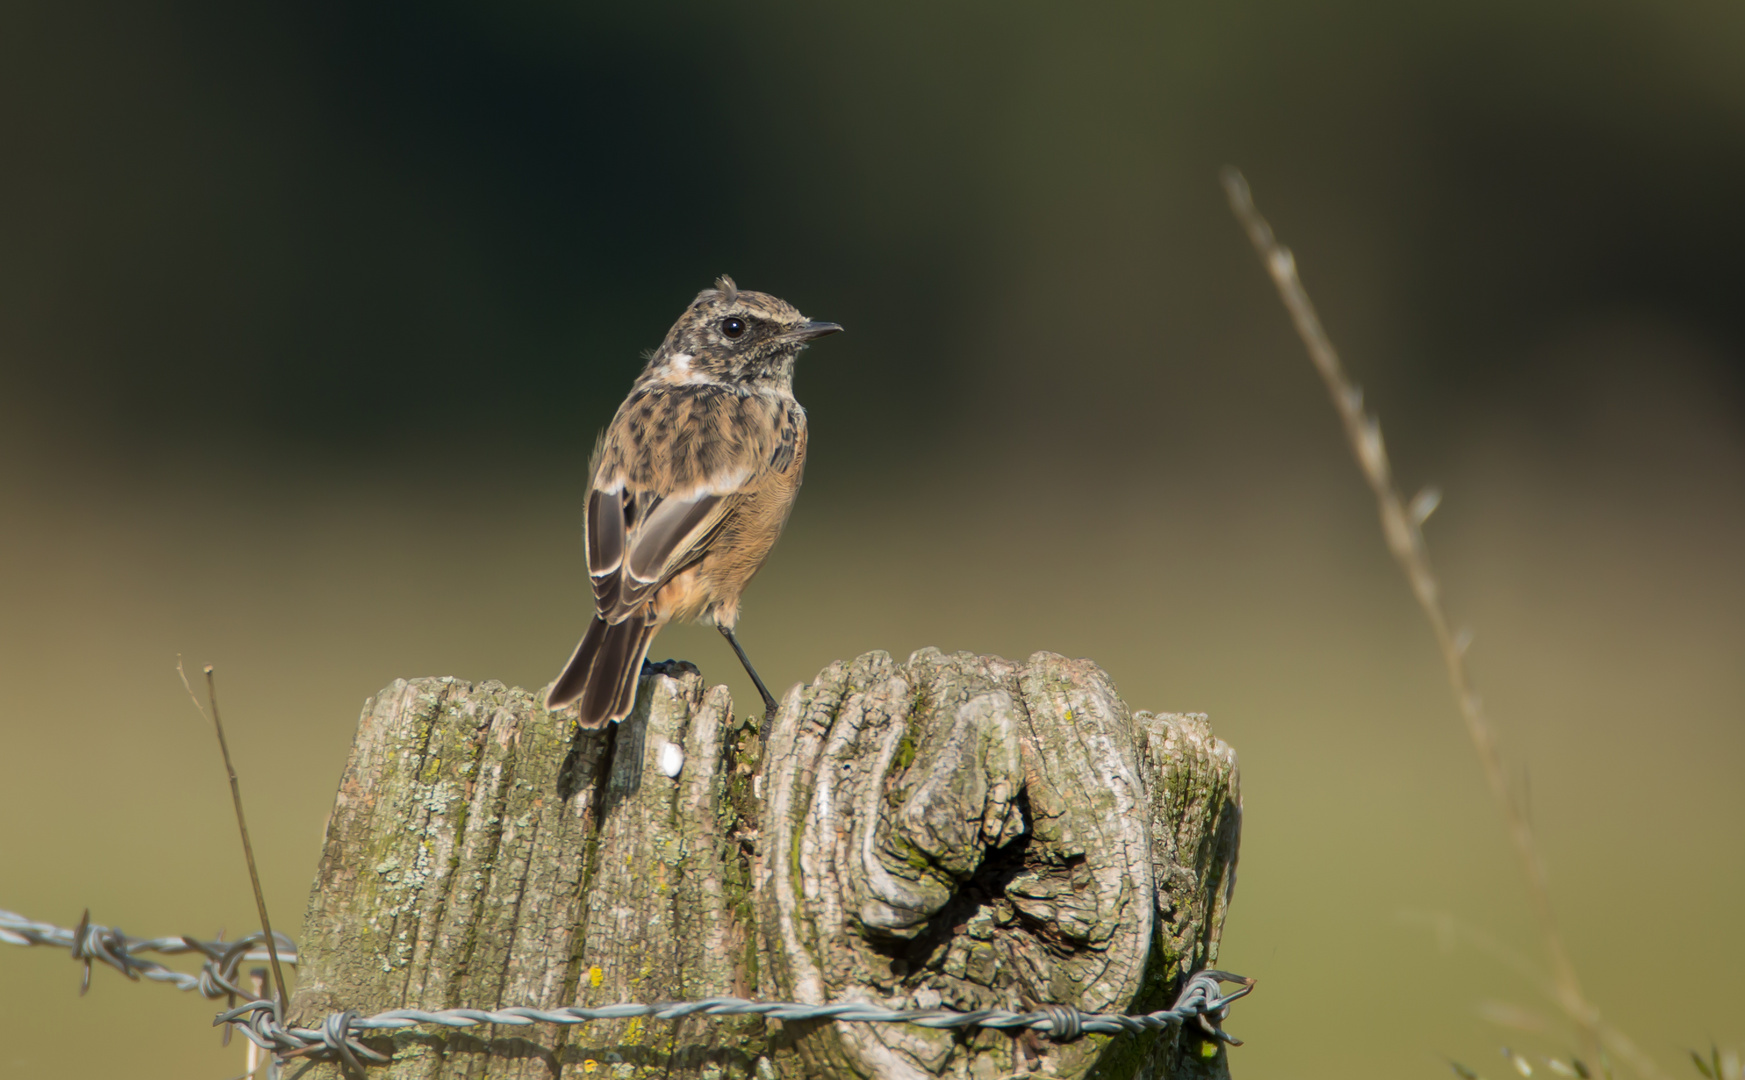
(950, 830)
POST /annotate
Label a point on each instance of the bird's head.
(729, 334)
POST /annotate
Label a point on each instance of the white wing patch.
(721, 484)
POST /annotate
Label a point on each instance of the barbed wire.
(92, 943)
(339, 1036)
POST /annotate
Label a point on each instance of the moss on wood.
(951, 830)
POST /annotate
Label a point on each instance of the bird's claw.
(672, 669)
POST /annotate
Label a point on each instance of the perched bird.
(690, 486)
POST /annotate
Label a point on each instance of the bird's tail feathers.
(603, 673)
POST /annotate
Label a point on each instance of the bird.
(689, 487)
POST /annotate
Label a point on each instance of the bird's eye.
(732, 327)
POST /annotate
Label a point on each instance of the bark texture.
(955, 830)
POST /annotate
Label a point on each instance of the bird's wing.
(636, 545)
(655, 504)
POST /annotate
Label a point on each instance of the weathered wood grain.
(952, 830)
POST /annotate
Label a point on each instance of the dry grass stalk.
(1400, 523)
(254, 877)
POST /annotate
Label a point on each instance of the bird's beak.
(810, 329)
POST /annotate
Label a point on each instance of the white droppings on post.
(672, 759)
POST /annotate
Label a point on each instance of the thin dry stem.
(1400, 527)
(254, 878)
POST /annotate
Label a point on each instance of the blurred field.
(304, 341)
(1604, 581)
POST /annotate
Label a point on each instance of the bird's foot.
(672, 669)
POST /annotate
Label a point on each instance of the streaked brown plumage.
(691, 484)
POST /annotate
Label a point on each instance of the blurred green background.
(309, 315)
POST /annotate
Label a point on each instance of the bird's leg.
(769, 703)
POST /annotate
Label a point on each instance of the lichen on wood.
(957, 831)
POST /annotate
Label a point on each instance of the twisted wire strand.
(339, 1036)
(92, 943)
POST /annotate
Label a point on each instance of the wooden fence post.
(958, 831)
